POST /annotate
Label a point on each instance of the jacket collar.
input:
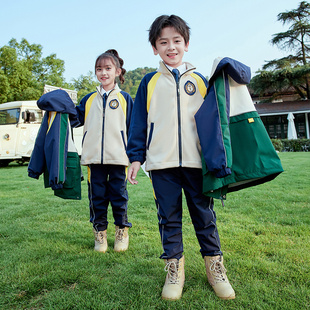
(115, 90)
(163, 68)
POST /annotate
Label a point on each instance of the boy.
(163, 133)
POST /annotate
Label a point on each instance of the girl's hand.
(132, 172)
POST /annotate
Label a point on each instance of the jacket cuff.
(137, 158)
(57, 186)
(33, 175)
(223, 172)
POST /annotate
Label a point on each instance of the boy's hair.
(164, 21)
(118, 62)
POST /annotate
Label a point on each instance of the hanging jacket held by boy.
(242, 154)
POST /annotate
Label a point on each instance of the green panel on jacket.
(254, 159)
(72, 185)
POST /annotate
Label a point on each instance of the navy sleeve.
(136, 148)
(80, 109)
(208, 122)
(129, 109)
(37, 161)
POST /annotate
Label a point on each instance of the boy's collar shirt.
(181, 68)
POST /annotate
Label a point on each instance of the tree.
(85, 84)
(292, 71)
(23, 71)
(133, 79)
(4, 86)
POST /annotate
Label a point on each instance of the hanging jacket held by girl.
(54, 153)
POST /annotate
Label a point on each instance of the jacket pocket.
(123, 138)
(150, 136)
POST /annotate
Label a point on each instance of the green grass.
(47, 259)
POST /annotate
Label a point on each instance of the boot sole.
(227, 298)
(167, 298)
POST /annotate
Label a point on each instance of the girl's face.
(106, 72)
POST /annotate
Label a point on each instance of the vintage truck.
(19, 125)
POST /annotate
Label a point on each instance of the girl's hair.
(118, 62)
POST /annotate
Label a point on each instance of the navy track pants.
(107, 184)
(168, 185)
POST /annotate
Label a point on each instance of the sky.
(78, 31)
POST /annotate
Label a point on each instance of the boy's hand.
(132, 172)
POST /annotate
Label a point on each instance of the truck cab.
(19, 125)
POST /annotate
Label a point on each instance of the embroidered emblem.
(114, 104)
(189, 88)
(251, 120)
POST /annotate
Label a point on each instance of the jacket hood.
(57, 100)
(239, 72)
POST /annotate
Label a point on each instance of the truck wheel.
(4, 162)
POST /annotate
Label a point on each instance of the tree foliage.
(24, 72)
(291, 72)
(85, 84)
(133, 79)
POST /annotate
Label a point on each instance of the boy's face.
(170, 46)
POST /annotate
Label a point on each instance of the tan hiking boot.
(101, 242)
(121, 239)
(217, 278)
(175, 279)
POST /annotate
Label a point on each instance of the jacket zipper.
(103, 116)
(179, 112)
(179, 118)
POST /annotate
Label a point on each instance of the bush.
(277, 144)
(297, 145)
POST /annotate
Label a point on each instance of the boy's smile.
(170, 46)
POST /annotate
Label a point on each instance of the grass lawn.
(47, 259)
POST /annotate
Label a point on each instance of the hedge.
(294, 145)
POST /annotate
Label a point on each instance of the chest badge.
(114, 104)
(190, 88)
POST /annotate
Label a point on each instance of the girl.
(105, 115)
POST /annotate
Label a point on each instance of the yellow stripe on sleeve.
(88, 104)
(123, 103)
(150, 88)
(201, 84)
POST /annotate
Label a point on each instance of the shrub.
(277, 144)
(296, 145)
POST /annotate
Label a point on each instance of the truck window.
(10, 116)
(34, 116)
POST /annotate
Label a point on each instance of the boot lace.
(218, 271)
(173, 274)
(100, 237)
(119, 234)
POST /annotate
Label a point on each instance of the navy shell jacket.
(50, 154)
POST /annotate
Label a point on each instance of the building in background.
(275, 117)
(275, 114)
